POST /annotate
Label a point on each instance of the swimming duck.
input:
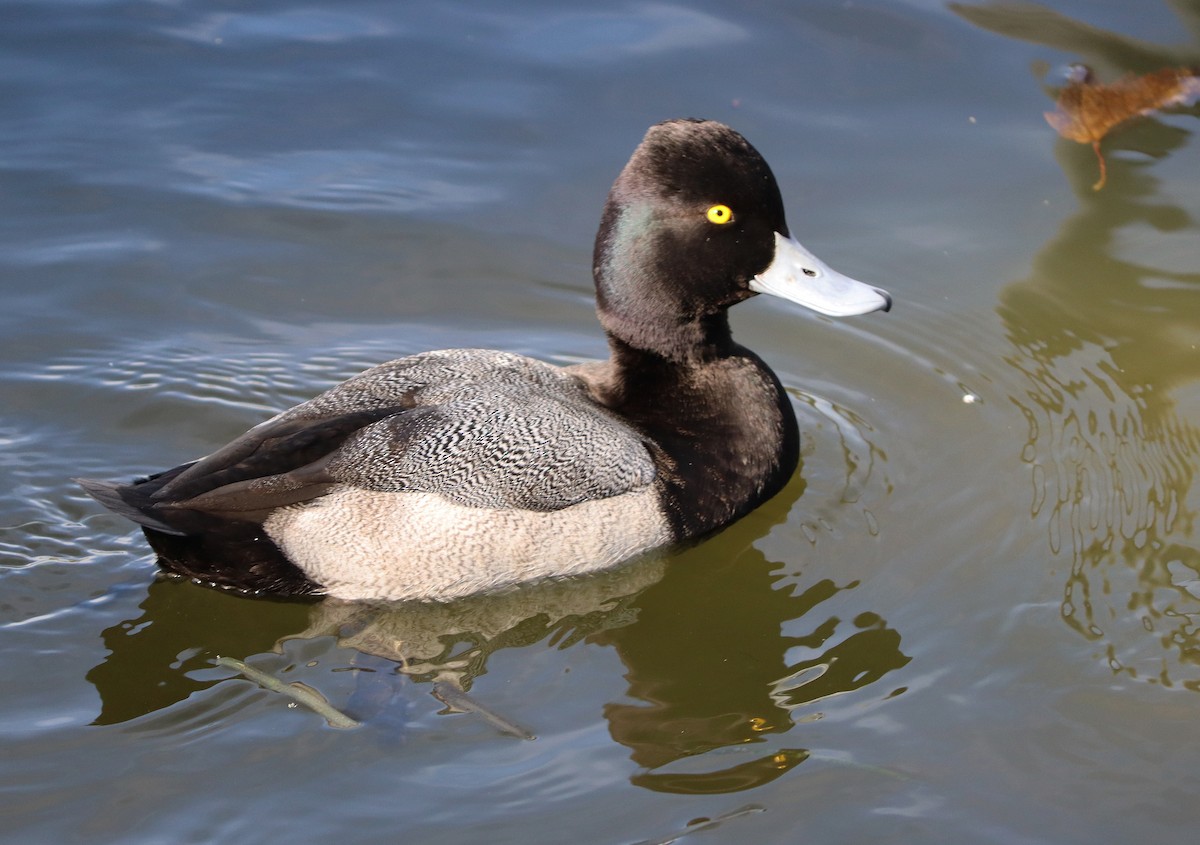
(463, 471)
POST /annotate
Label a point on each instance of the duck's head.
(693, 225)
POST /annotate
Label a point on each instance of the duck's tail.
(127, 501)
(228, 553)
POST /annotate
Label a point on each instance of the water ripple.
(350, 180)
(250, 30)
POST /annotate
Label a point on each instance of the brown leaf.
(1088, 110)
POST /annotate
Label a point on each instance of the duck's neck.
(683, 341)
(644, 370)
(719, 414)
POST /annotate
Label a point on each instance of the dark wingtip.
(108, 493)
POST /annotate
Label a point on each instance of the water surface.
(971, 617)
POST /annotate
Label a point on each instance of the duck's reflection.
(702, 638)
(164, 655)
(1107, 345)
(709, 668)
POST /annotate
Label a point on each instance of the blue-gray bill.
(799, 276)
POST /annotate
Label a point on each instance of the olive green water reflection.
(708, 665)
(1106, 343)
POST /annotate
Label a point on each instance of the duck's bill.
(798, 275)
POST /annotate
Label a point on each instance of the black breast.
(724, 433)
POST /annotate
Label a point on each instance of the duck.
(465, 471)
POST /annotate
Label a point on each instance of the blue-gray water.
(970, 618)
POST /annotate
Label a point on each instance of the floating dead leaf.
(1088, 110)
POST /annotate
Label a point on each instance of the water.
(970, 617)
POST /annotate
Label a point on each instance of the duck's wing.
(481, 429)
(531, 450)
(276, 463)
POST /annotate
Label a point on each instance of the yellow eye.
(719, 214)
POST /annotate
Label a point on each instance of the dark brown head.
(693, 225)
